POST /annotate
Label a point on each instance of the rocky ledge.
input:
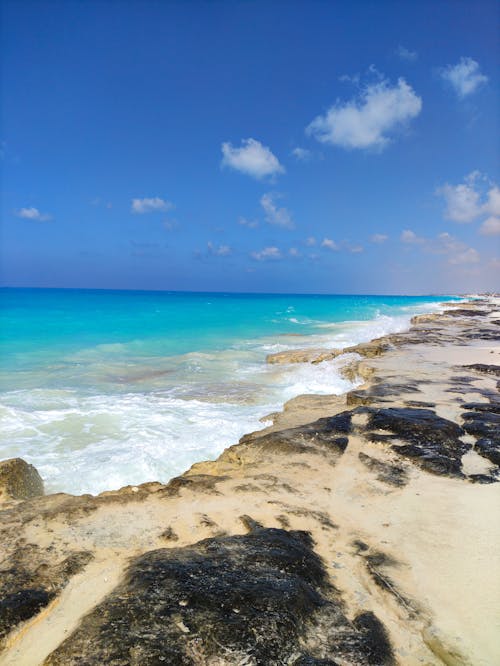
(360, 529)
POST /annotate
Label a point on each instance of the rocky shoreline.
(356, 529)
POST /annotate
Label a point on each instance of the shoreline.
(403, 526)
(103, 418)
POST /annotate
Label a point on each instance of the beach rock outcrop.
(247, 599)
(30, 579)
(354, 562)
(367, 349)
(301, 355)
(326, 436)
(485, 368)
(19, 480)
(432, 441)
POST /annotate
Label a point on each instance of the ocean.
(100, 389)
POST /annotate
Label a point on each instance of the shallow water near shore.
(100, 389)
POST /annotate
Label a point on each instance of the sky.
(301, 146)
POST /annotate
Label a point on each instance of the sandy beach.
(356, 529)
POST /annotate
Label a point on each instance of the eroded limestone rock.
(433, 442)
(19, 480)
(254, 599)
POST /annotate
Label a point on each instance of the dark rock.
(482, 424)
(394, 475)
(20, 606)
(377, 563)
(311, 661)
(321, 517)
(320, 436)
(28, 583)
(360, 546)
(482, 478)
(361, 397)
(489, 448)
(463, 312)
(378, 647)
(255, 597)
(463, 379)
(481, 334)
(380, 392)
(485, 368)
(430, 440)
(18, 480)
(169, 535)
(339, 423)
(387, 389)
(419, 403)
(492, 407)
(199, 482)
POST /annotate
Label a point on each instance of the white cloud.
(470, 200)
(330, 244)
(445, 244)
(465, 77)
(252, 158)
(490, 227)
(33, 214)
(355, 249)
(462, 201)
(220, 250)
(150, 205)
(302, 154)
(410, 237)
(364, 122)
(267, 253)
(278, 216)
(251, 224)
(293, 252)
(378, 238)
(492, 206)
(406, 54)
(469, 256)
(310, 241)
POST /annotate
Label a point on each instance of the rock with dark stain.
(482, 424)
(482, 478)
(28, 582)
(325, 436)
(19, 480)
(311, 661)
(485, 369)
(463, 312)
(20, 606)
(394, 475)
(257, 598)
(377, 643)
(491, 407)
(430, 440)
(199, 482)
(489, 448)
(482, 334)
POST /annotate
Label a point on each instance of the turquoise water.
(103, 388)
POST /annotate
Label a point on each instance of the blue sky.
(327, 147)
